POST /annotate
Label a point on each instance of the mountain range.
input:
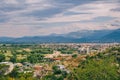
(72, 37)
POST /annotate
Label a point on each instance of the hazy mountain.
(5, 39)
(39, 39)
(44, 39)
(113, 36)
(94, 34)
(75, 37)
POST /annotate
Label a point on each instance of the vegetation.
(35, 58)
(2, 57)
(66, 50)
(98, 66)
(103, 66)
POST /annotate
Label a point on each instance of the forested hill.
(103, 66)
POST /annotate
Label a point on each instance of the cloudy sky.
(43, 17)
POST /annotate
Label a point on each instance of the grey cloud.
(116, 9)
(10, 8)
(3, 18)
(43, 13)
(6, 7)
(27, 9)
(75, 13)
(33, 16)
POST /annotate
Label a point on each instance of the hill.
(72, 37)
(113, 36)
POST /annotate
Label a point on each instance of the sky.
(20, 18)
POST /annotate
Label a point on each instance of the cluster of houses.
(83, 48)
(94, 47)
(25, 67)
(37, 70)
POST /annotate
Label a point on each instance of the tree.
(13, 59)
(3, 69)
(98, 70)
(74, 55)
(56, 70)
(2, 57)
(14, 73)
(35, 58)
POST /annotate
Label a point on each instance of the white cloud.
(10, 1)
(96, 9)
(13, 31)
(20, 24)
(33, 1)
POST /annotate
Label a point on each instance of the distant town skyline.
(43, 17)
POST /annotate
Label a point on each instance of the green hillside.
(103, 66)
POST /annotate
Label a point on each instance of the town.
(39, 61)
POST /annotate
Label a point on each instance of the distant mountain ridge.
(72, 37)
(89, 34)
(113, 36)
